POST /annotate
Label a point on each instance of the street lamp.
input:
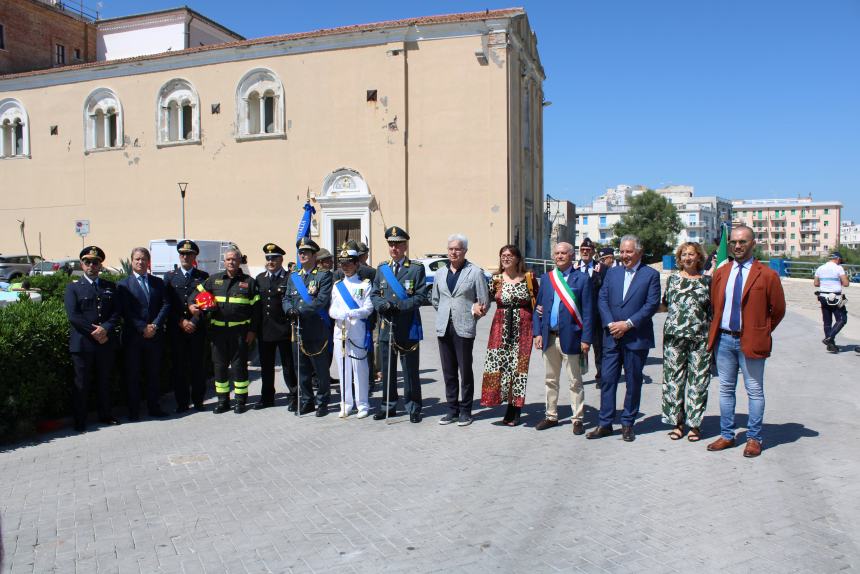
(182, 187)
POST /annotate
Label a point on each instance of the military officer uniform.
(229, 323)
(89, 303)
(596, 272)
(404, 314)
(310, 312)
(187, 350)
(274, 332)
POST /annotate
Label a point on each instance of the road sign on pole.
(82, 227)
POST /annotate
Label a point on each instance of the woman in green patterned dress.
(686, 360)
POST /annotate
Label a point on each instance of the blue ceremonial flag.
(305, 224)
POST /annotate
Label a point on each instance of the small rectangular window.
(826, 237)
(269, 112)
(585, 220)
(792, 235)
(794, 212)
(77, 53)
(2, 38)
(602, 220)
(826, 212)
(826, 223)
(60, 54)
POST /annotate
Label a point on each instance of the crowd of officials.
(312, 317)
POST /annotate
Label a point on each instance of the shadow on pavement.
(774, 434)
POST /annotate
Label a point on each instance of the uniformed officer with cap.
(274, 329)
(325, 259)
(306, 303)
(596, 271)
(92, 307)
(187, 333)
(232, 328)
(399, 290)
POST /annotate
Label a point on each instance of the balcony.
(696, 225)
(810, 242)
(809, 218)
(778, 218)
(809, 229)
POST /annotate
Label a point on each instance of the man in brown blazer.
(748, 303)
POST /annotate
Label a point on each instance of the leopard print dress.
(509, 348)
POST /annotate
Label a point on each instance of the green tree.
(654, 220)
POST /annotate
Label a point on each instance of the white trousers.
(356, 373)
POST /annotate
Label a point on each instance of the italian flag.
(565, 293)
(723, 249)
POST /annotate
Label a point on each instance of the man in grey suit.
(460, 296)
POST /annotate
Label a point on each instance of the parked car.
(15, 266)
(432, 262)
(68, 266)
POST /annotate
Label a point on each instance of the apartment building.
(791, 227)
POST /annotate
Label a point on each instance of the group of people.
(312, 317)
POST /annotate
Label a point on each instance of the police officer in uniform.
(92, 307)
(306, 303)
(596, 271)
(399, 304)
(274, 329)
(232, 328)
(187, 332)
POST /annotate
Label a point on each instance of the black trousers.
(317, 363)
(829, 313)
(230, 359)
(267, 369)
(455, 353)
(143, 355)
(597, 342)
(88, 365)
(187, 369)
(411, 381)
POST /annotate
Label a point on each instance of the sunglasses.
(274, 257)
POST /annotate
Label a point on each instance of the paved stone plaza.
(268, 492)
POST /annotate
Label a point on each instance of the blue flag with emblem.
(350, 302)
(416, 333)
(305, 224)
(302, 289)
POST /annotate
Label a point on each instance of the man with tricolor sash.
(399, 290)
(306, 303)
(562, 329)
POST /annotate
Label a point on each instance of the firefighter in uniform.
(92, 307)
(399, 290)
(275, 327)
(306, 303)
(187, 333)
(232, 328)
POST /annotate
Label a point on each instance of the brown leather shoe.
(600, 432)
(578, 429)
(752, 449)
(546, 424)
(721, 444)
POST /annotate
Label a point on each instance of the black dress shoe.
(309, 408)
(322, 410)
(292, 406)
(415, 417)
(263, 405)
(80, 427)
(157, 413)
(108, 421)
(600, 432)
(380, 415)
(627, 434)
(200, 407)
(239, 408)
(133, 417)
(182, 409)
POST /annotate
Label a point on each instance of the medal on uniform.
(410, 286)
(312, 288)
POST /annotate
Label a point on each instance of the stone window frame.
(106, 101)
(252, 89)
(14, 118)
(173, 96)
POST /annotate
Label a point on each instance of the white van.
(210, 259)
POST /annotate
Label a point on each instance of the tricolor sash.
(302, 289)
(566, 295)
(416, 332)
(350, 302)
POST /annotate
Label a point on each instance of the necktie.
(737, 295)
(144, 286)
(396, 268)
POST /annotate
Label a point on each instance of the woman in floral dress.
(686, 360)
(509, 348)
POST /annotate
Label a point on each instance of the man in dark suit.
(306, 303)
(596, 271)
(93, 311)
(399, 290)
(275, 329)
(145, 308)
(562, 329)
(187, 333)
(629, 297)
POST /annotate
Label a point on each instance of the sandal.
(695, 435)
(677, 433)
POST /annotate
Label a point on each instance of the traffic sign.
(82, 227)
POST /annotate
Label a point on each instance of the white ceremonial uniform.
(349, 323)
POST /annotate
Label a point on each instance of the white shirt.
(628, 278)
(730, 292)
(351, 319)
(830, 277)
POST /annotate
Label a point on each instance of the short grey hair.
(143, 250)
(235, 250)
(464, 241)
(568, 246)
(637, 244)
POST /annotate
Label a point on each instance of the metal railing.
(539, 266)
(806, 269)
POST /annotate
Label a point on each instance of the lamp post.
(182, 187)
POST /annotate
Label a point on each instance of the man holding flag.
(563, 328)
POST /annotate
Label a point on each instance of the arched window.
(260, 105)
(102, 121)
(14, 129)
(178, 113)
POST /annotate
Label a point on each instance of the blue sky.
(742, 99)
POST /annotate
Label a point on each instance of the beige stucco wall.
(449, 175)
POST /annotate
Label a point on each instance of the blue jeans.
(729, 358)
